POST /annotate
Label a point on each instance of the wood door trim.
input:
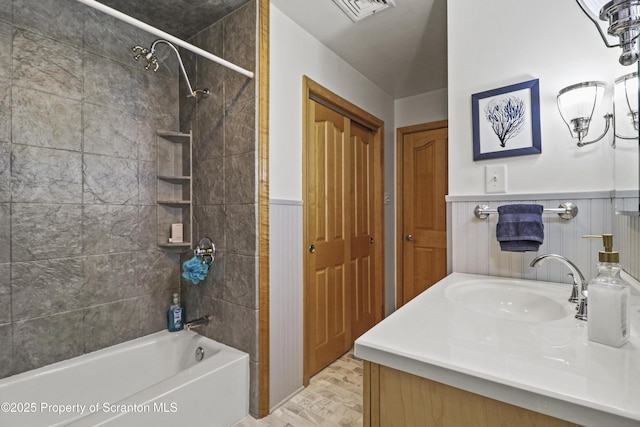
(322, 95)
(314, 91)
(400, 133)
(263, 210)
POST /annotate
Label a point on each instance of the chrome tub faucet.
(196, 323)
(579, 290)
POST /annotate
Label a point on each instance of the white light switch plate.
(495, 179)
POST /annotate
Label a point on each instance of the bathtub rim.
(227, 355)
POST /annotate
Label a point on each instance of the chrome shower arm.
(159, 33)
(184, 72)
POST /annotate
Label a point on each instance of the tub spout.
(579, 291)
(196, 323)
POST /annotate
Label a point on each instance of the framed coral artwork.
(506, 121)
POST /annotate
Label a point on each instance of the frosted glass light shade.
(592, 9)
(626, 96)
(577, 103)
(618, 22)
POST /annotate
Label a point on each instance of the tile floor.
(332, 399)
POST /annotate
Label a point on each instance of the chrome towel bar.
(565, 210)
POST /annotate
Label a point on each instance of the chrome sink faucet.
(579, 290)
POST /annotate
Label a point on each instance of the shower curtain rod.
(153, 30)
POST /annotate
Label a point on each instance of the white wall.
(295, 53)
(424, 108)
(477, 251)
(493, 44)
(497, 43)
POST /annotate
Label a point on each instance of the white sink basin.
(518, 302)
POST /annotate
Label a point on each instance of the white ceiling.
(402, 49)
(179, 18)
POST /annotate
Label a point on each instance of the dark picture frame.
(506, 121)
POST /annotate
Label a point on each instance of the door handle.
(410, 238)
(312, 249)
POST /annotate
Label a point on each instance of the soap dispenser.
(608, 299)
(174, 315)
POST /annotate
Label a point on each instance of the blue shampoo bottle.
(175, 315)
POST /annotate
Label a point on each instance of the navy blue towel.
(520, 228)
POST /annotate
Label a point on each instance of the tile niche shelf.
(174, 187)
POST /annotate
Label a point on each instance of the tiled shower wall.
(79, 269)
(225, 190)
(477, 251)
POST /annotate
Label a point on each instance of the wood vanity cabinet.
(396, 398)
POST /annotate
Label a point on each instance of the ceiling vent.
(357, 10)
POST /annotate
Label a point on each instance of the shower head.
(152, 61)
(142, 52)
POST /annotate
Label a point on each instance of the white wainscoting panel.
(285, 299)
(476, 250)
(627, 241)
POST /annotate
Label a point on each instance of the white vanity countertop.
(545, 366)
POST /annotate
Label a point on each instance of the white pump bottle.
(608, 299)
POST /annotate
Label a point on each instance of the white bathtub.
(151, 381)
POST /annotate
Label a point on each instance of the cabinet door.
(394, 398)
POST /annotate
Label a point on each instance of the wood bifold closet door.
(342, 294)
(362, 257)
(327, 320)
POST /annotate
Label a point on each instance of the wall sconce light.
(578, 102)
(626, 95)
(618, 22)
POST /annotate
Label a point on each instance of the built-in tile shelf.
(175, 202)
(174, 187)
(175, 179)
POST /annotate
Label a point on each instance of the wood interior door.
(423, 207)
(327, 320)
(362, 266)
(343, 221)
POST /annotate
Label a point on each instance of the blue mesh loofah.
(194, 270)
